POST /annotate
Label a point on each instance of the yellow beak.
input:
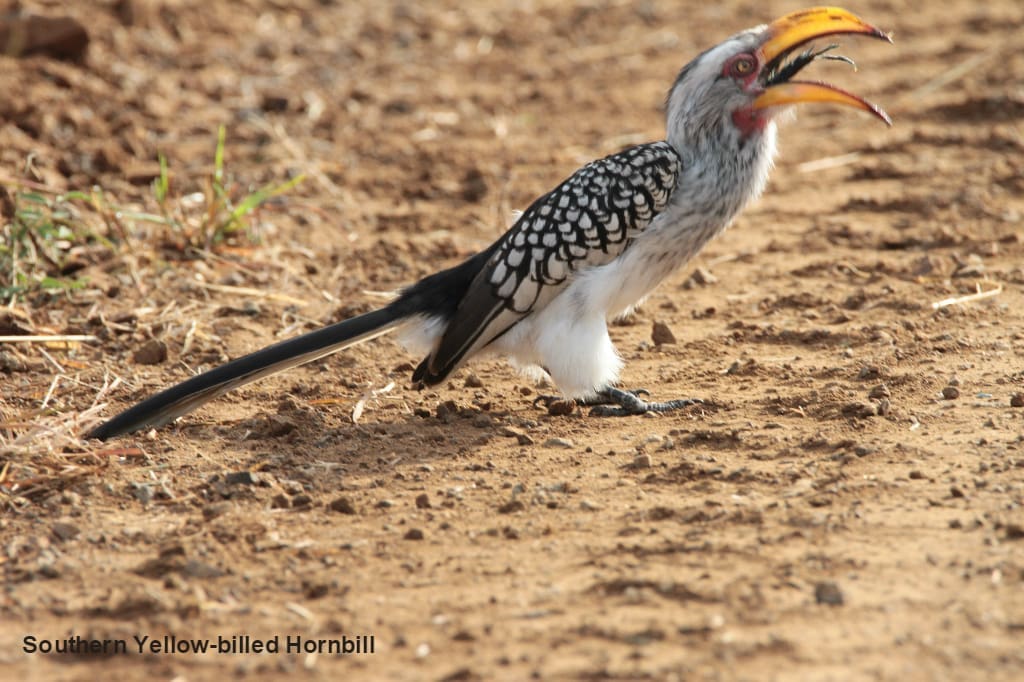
(795, 29)
(805, 25)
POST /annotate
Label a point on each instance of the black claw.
(545, 400)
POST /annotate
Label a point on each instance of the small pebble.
(860, 410)
(521, 436)
(194, 568)
(662, 335)
(317, 590)
(1017, 400)
(142, 492)
(972, 271)
(447, 410)
(274, 426)
(703, 277)
(511, 507)
(864, 450)
(241, 478)
(951, 393)
(71, 498)
(413, 534)
(869, 372)
(643, 461)
(829, 593)
(558, 443)
(880, 391)
(423, 501)
(65, 531)
(153, 352)
(212, 511)
(9, 362)
(292, 487)
(342, 505)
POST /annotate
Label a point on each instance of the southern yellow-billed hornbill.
(590, 249)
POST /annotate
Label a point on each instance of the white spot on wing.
(500, 270)
(508, 287)
(525, 295)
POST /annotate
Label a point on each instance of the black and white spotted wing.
(588, 220)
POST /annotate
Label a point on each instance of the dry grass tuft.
(60, 253)
(46, 454)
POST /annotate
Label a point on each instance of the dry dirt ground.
(846, 505)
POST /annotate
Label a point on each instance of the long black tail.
(172, 403)
(436, 296)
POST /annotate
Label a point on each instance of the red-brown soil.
(856, 445)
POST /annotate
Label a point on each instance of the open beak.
(786, 34)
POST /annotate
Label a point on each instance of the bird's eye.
(743, 66)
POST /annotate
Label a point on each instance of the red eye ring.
(742, 66)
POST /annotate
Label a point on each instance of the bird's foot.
(611, 402)
(615, 402)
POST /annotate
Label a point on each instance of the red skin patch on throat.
(749, 121)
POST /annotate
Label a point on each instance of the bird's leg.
(609, 396)
(615, 402)
(600, 398)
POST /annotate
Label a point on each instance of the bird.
(592, 248)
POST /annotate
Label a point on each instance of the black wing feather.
(587, 220)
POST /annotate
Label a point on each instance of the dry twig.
(65, 340)
(357, 411)
(253, 293)
(977, 296)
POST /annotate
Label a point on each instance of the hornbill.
(590, 249)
